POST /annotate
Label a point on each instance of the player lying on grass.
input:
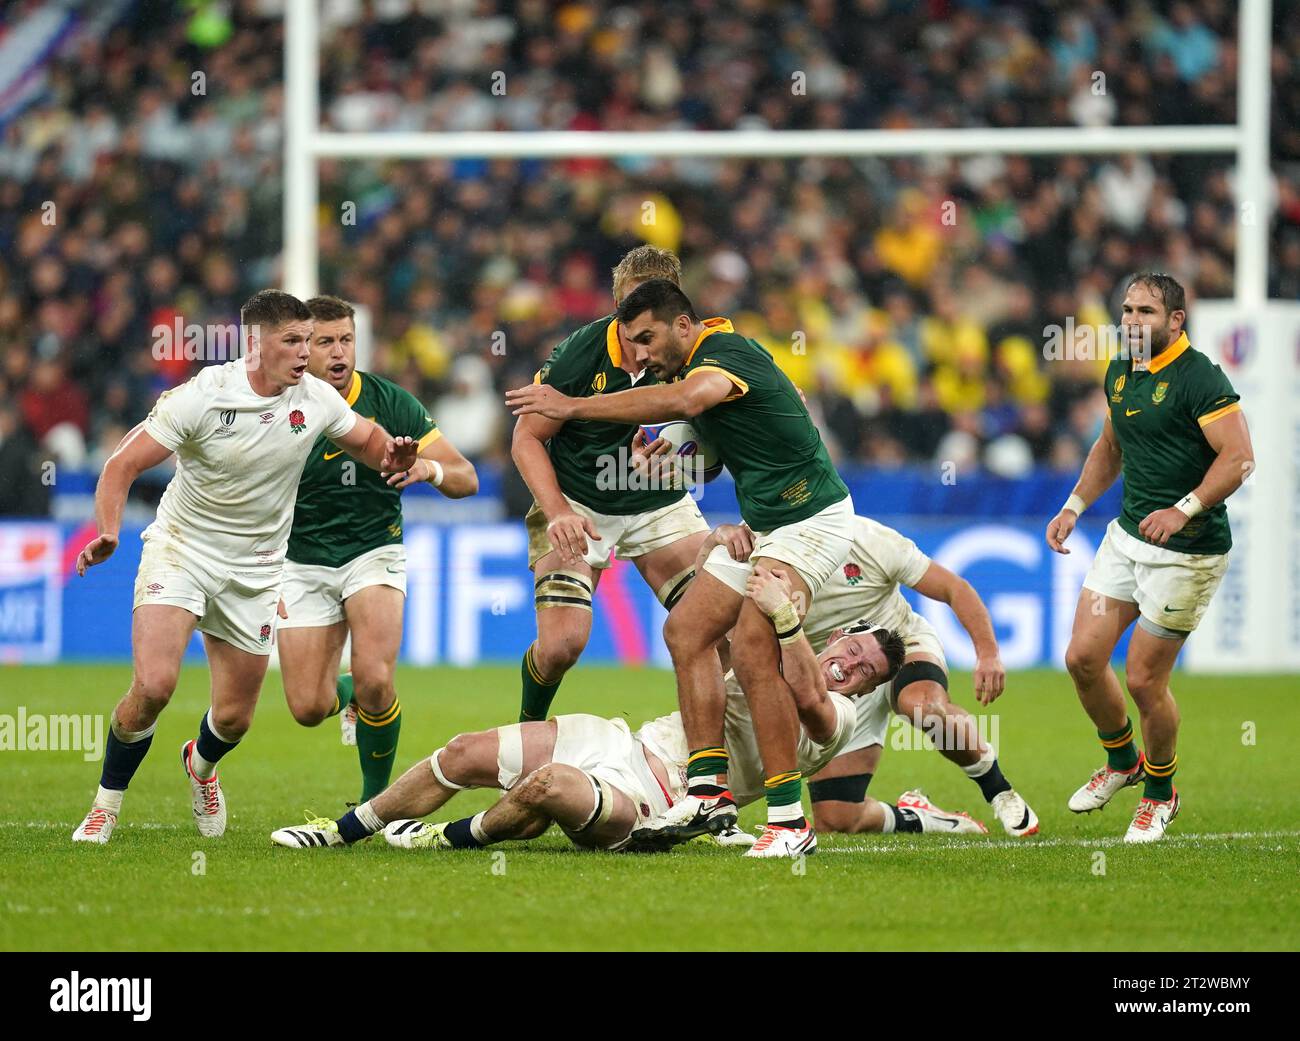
(346, 567)
(214, 556)
(867, 586)
(789, 495)
(594, 778)
(578, 520)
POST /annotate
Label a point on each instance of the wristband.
(436, 479)
(1189, 505)
(1076, 504)
(786, 621)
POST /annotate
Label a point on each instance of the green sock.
(1121, 752)
(538, 694)
(785, 799)
(342, 693)
(377, 747)
(1159, 784)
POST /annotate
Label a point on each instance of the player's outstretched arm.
(1100, 470)
(1233, 463)
(371, 444)
(682, 400)
(938, 583)
(441, 465)
(799, 666)
(136, 453)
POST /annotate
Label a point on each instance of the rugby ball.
(702, 461)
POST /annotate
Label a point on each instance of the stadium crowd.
(910, 299)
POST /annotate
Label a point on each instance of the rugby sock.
(123, 753)
(897, 818)
(208, 749)
(342, 693)
(988, 775)
(358, 823)
(467, 833)
(785, 800)
(1159, 784)
(377, 747)
(1121, 752)
(706, 773)
(538, 692)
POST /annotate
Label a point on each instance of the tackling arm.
(683, 400)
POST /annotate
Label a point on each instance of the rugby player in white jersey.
(867, 586)
(596, 779)
(213, 557)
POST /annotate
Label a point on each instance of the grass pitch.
(1225, 880)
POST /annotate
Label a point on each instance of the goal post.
(306, 143)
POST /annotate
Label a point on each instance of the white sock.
(888, 829)
(982, 765)
(476, 829)
(367, 816)
(203, 770)
(109, 799)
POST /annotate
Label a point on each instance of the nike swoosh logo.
(385, 755)
(393, 570)
(1132, 412)
(1171, 609)
(949, 821)
(333, 455)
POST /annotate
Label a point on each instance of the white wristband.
(436, 479)
(1189, 505)
(1076, 504)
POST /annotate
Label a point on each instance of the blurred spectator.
(22, 492)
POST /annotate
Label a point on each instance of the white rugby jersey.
(866, 585)
(238, 460)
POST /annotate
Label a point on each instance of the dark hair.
(272, 308)
(1168, 288)
(330, 309)
(895, 650)
(661, 298)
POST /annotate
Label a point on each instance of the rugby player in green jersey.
(1176, 432)
(580, 518)
(802, 518)
(345, 570)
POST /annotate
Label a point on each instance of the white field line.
(955, 844)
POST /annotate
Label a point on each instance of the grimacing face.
(283, 352)
(1145, 315)
(853, 665)
(661, 347)
(334, 352)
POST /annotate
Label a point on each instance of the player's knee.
(536, 788)
(231, 722)
(308, 713)
(1084, 665)
(682, 638)
(557, 654)
(155, 686)
(1146, 687)
(457, 759)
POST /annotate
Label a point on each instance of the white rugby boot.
(97, 827)
(732, 837)
(1103, 785)
(317, 833)
(784, 842)
(937, 821)
(411, 834)
(1018, 820)
(206, 798)
(687, 818)
(1151, 818)
(348, 724)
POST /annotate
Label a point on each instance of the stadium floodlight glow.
(306, 143)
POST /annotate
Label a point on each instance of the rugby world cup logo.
(297, 421)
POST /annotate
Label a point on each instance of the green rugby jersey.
(591, 456)
(344, 508)
(1159, 415)
(763, 433)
